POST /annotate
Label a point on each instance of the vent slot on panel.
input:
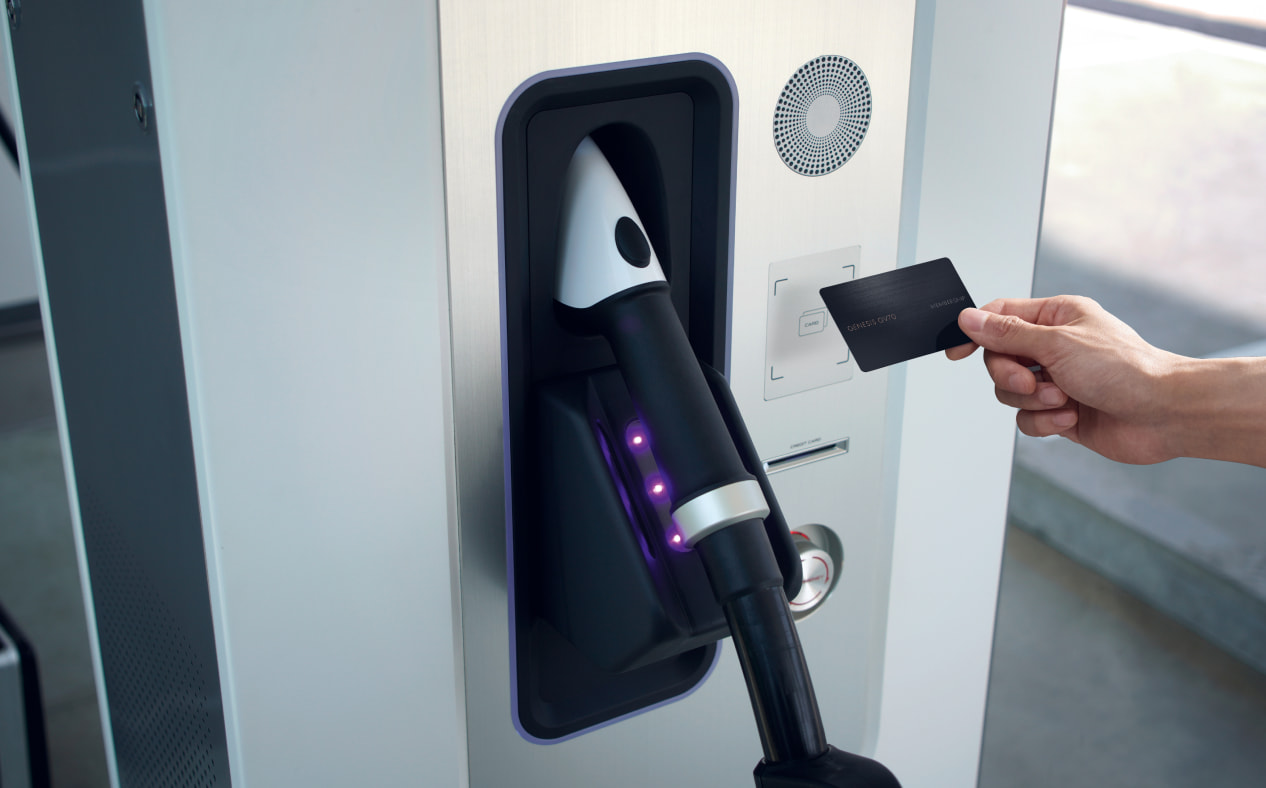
(820, 452)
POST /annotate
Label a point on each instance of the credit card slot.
(805, 457)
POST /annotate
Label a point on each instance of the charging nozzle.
(715, 498)
(609, 278)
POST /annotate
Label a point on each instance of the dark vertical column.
(97, 180)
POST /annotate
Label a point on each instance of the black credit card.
(901, 314)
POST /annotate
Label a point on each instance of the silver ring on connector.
(716, 509)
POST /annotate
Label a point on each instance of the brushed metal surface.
(487, 51)
(716, 509)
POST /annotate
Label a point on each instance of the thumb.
(1006, 334)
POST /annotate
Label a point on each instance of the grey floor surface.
(1091, 687)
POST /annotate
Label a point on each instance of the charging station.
(357, 502)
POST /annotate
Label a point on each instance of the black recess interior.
(608, 618)
(666, 128)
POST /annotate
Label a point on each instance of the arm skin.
(1100, 385)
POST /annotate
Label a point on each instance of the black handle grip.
(692, 444)
(697, 452)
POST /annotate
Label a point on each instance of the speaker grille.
(822, 115)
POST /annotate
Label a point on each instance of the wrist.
(1215, 408)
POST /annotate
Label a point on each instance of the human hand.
(1073, 369)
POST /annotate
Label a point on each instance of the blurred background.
(1130, 646)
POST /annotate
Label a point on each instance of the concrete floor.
(1090, 686)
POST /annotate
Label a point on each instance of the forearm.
(1217, 409)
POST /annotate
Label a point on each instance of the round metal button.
(819, 572)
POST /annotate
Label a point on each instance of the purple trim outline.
(503, 298)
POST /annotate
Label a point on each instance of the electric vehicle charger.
(242, 466)
(609, 618)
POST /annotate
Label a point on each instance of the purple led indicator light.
(676, 540)
(656, 487)
(636, 438)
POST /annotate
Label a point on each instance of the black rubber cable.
(747, 583)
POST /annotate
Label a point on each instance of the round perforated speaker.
(822, 115)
